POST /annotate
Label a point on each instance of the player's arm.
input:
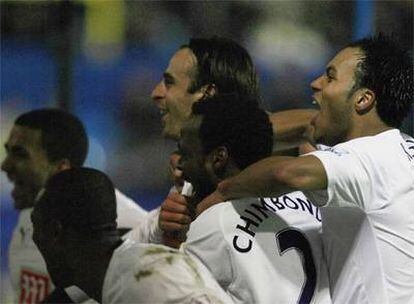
(271, 177)
(289, 127)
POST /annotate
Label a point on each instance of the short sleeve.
(348, 181)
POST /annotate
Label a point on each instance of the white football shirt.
(368, 226)
(263, 250)
(30, 280)
(149, 273)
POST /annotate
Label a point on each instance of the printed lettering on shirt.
(34, 287)
(256, 213)
(408, 149)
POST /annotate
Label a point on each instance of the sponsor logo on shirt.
(34, 287)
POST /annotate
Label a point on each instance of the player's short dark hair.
(241, 126)
(386, 68)
(226, 64)
(82, 199)
(62, 134)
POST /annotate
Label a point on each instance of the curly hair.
(241, 126)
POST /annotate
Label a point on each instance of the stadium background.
(101, 59)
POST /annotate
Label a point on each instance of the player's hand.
(213, 199)
(306, 148)
(175, 174)
(174, 219)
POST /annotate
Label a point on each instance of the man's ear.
(62, 164)
(220, 158)
(365, 101)
(208, 90)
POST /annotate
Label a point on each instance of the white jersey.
(369, 240)
(263, 250)
(148, 273)
(28, 273)
(148, 230)
(129, 213)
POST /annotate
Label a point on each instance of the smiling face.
(26, 165)
(171, 94)
(333, 93)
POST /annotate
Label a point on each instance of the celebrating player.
(40, 144)
(200, 69)
(260, 250)
(366, 179)
(75, 230)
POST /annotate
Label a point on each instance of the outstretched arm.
(289, 127)
(270, 177)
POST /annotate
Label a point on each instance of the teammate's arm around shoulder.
(271, 177)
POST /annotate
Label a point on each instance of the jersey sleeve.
(348, 180)
(206, 241)
(148, 230)
(130, 214)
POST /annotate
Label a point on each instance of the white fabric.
(28, 274)
(77, 295)
(148, 230)
(147, 273)
(130, 214)
(27, 268)
(242, 244)
(369, 241)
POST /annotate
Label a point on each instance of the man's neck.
(368, 125)
(368, 132)
(91, 275)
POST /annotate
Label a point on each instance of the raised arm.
(289, 127)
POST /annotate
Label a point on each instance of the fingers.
(175, 202)
(173, 222)
(174, 214)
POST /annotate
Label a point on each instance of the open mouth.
(315, 102)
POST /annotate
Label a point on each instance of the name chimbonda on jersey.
(253, 217)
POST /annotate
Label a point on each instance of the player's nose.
(316, 84)
(7, 164)
(158, 92)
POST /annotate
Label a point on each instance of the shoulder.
(130, 214)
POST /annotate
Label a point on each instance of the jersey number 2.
(294, 239)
